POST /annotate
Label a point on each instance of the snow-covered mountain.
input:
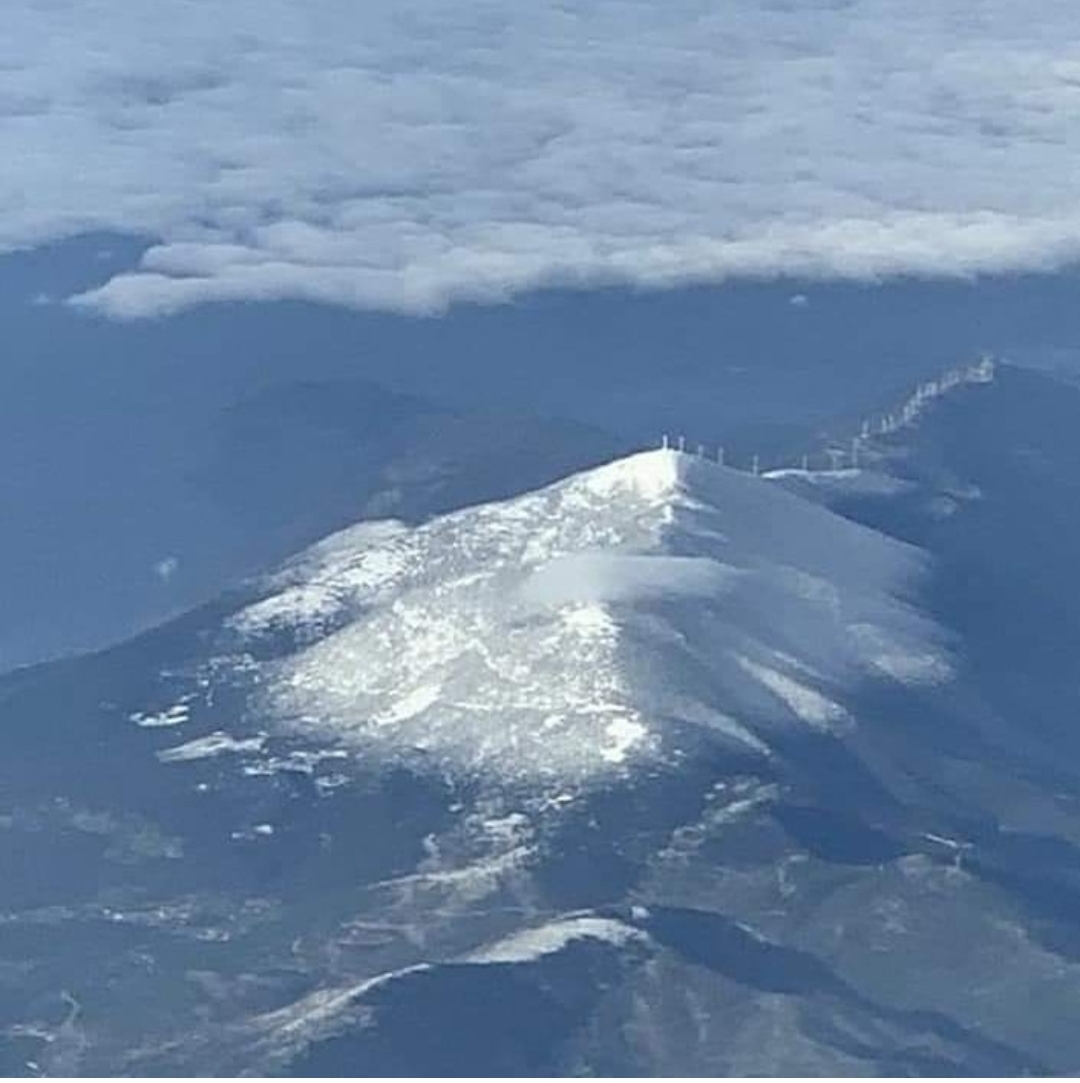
(613, 619)
(663, 768)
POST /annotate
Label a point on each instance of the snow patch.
(305, 1018)
(653, 475)
(348, 569)
(532, 944)
(302, 760)
(214, 744)
(176, 715)
(414, 702)
(804, 702)
(623, 734)
(254, 832)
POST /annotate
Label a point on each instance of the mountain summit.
(613, 618)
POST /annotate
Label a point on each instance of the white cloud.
(400, 155)
(597, 577)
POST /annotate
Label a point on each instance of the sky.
(404, 155)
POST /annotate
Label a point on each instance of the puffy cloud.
(403, 154)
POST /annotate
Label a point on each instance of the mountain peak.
(655, 474)
(606, 620)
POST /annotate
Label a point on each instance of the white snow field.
(598, 625)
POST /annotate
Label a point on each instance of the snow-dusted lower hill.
(604, 621)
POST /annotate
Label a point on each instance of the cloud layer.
(405, 154)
